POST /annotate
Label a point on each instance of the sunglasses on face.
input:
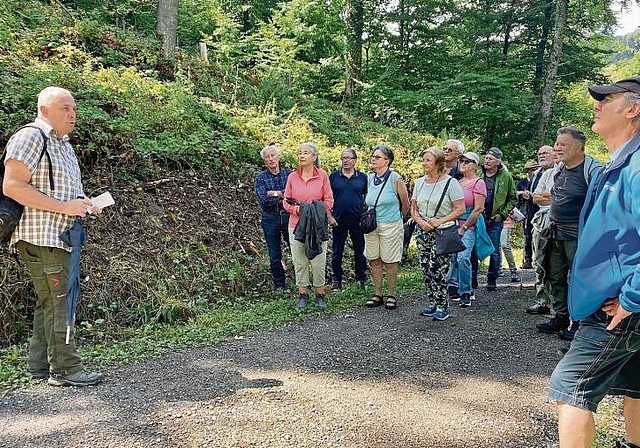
(465, 161)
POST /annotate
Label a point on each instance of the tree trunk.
(542, 46)
(355, 25)
(552, 70)
(167, 26)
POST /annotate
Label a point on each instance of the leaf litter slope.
(365, 378)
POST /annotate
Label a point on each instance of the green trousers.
(560, 261)
(47, 348)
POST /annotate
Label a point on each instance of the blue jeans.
(494, 229)
(460, 273)
(275, 229)
(349, 227)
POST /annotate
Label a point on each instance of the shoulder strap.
(386, 178)
(444, 191)
(42, 154)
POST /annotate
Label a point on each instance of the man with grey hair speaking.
(50, 188)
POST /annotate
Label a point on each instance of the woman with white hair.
(307, 189)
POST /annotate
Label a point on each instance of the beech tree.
(167, 26)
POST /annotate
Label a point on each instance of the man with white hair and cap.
(501, 198)
(604, 291)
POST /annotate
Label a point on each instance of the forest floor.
(362, 378)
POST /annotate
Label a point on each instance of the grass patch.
(224, 320)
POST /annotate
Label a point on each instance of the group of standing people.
(449, 194)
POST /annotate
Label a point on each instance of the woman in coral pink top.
(305, 187)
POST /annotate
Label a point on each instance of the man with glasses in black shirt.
(349, 190)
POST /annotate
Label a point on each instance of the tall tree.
(354, 21)
(167, 26)
(552, 69)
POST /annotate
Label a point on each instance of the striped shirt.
(39, 227)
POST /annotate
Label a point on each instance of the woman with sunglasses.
(436, 203)
(383, 247)
(475, 192)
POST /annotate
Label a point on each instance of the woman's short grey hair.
(268, 148)
(388, 152)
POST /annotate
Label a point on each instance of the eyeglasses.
(465, 161)
(347, 158)
(449, 150)
(379, 157)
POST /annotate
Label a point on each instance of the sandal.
(391, 303)
(374, 301)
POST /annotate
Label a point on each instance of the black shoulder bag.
(10, 210)
(368, 221)
(448, 240)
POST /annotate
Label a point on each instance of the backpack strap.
(42, 154)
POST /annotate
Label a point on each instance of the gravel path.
(365, 378)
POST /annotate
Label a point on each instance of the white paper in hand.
(102, 201)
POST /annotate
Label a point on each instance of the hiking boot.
(429, 311)
(441, 314)
(38, 374)
(514, 276)
(527, 265)
(491, 283)
(554, 325)
(465, 300)
(539, 308)
(567, 334)
(336, 285)
(302, 300)
(80, 378)
(322, 301)
(500, 273)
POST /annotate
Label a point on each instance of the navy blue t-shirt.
(348, 194)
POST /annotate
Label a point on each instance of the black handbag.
(368, 221)
(448, 240)
(10, 210)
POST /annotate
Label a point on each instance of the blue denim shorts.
(599, 362)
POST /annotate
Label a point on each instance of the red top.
(317, 188)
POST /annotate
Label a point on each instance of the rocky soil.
(364, 378)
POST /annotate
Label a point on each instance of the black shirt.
(567, 198)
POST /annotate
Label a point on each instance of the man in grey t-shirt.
(571, 181)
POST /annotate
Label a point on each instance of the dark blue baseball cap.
(624, 85)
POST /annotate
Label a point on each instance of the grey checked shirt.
(40, 227)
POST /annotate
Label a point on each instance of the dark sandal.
(391, 303)
(374, 301)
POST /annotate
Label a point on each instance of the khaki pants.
(302, 264)
(47, 349)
